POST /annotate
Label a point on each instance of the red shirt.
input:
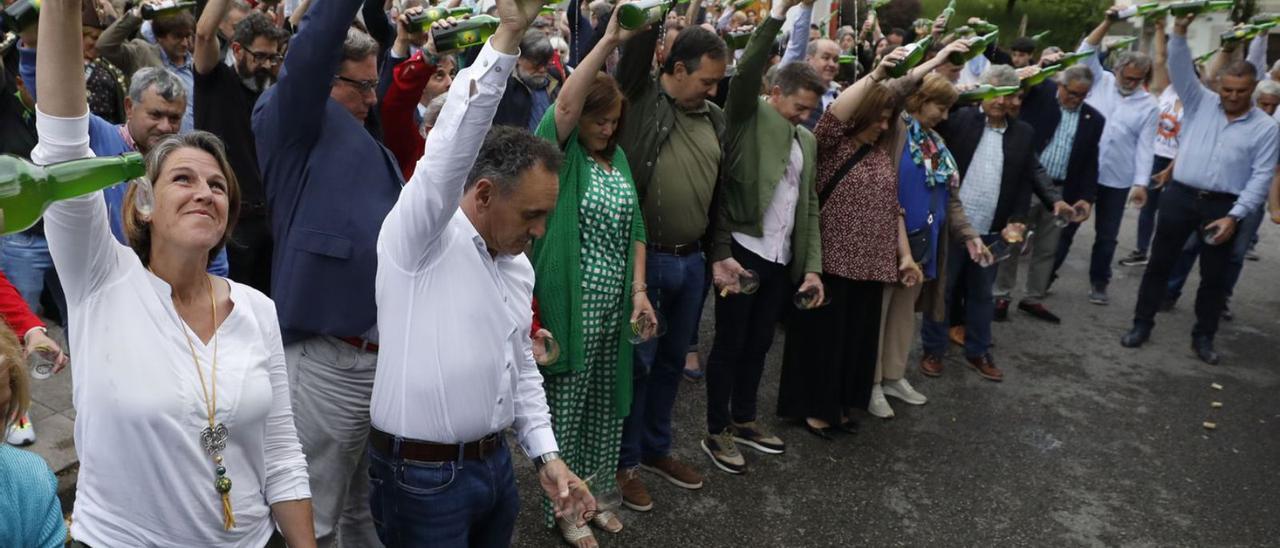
(15, 311)
(399, 109)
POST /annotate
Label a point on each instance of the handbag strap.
(835, 180)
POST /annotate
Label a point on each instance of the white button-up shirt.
(455, 361)
(774, 243)
(1127, 148)
(145, 479)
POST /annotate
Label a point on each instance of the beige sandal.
(573, 534)
(608, 521)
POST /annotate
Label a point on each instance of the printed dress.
(587, 426)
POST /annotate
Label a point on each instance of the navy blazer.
(1022, 173)
(1040, 109)
(329, 184)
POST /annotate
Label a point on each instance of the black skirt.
(829, 363)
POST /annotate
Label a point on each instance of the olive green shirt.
(678, 199)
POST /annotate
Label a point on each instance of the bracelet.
(638, 290)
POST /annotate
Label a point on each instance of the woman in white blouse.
(183, 425)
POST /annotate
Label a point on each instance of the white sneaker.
(21, 433)
(878, 405)
(902, 390)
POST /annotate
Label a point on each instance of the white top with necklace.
(145, 478)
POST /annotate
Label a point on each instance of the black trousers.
(829, 363)
(249, 252)
(744, 334)
(1183, 211)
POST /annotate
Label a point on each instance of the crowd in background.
(357, 262)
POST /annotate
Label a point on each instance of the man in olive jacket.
(766, 223)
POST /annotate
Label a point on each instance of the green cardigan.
(758, 148)
(557, 262)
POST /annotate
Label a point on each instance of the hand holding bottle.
(888, 62)
(956, 46)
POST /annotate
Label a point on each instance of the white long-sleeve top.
(455, 362)
(1127, 148)
(145, 479)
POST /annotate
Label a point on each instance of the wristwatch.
(544, 459)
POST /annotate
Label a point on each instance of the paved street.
(1085, 443)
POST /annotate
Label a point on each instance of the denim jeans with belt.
(456, 504)
(676, 290)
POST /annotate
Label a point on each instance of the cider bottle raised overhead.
(469, 33)
(167, 7)
(1200, 6)
(976, 47)
(421, 21)
(915, 53)
(26, 189)
(20, 15)
(637, 15)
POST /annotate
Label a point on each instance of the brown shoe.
(985, 367)
(634, 494)
(674, 471)
(957, 335)
(931, 365)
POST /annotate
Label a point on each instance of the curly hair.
(508, 152)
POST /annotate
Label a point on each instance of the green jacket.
(651, 113)
(557, 263)
(757, 150)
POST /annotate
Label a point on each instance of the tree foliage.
(1067, 20)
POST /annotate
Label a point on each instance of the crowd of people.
(413, 252)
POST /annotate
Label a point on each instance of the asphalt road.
(1084, 443)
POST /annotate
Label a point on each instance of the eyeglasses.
(363, 86)
(266, 57)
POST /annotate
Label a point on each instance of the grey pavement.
(1084, 443)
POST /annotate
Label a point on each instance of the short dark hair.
(535, 47)
(899, 32)
(508, 152)
(1239, 69)
(1023, 44)
(794, 77)
(690, 46)
(257, 24)
(181, 22)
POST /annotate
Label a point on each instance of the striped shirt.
(980, 191)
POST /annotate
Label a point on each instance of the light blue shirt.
(980, 190)
(798, 42)
(1127, 148)
(1057, 154)
(186, 73)
(1214, 154)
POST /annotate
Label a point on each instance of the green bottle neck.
(79, 177)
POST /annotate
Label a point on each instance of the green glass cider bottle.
(915, 54)
(26, 189)
(976, 47)
(421, 22)
(20, 15)
(474, 31)
(637, 15)
(167, 7)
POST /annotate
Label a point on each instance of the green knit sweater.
(557, 262)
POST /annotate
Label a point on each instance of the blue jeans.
(26, 262)
(980, 308)
(1247, 230)
(676, 289)
(1108, 211)
(450, 504)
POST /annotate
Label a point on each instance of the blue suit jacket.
(329, 184)
(1040, 109)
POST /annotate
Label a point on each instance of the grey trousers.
(1044, 244)
(331, 382)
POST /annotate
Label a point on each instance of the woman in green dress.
(590, 279)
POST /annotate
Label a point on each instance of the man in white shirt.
(1125, 153)
(454, 294)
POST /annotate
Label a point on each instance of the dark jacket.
(329, 184)
(1022, 171)
(517, 101)
(1040, 109)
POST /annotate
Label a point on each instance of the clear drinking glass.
(646, 328)
(808, 299)
(550, 350)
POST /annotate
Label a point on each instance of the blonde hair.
(19, 385)
(935, 89)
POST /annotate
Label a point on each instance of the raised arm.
(744, 88)
(207, 53)
(432, 196)
(399, 130)
(574, 92)
(798, 42)
(113, 44)
(920, 71)
(1182, 73)
(79, 233)
(1159, 60)
(579, 41)
(303, 89)
(848, 99)
(1257, 54)
(380, 27)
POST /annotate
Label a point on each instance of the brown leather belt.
(426, 451)
(360, 343)
(677, 250)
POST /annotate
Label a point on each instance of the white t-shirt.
(1169, 124)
